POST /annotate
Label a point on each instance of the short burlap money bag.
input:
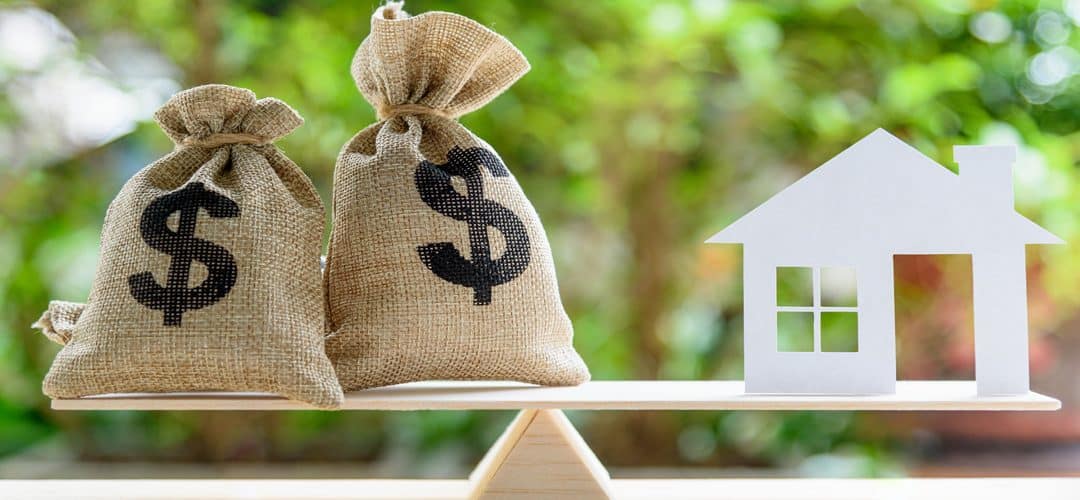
(438, 266)
(209, 274)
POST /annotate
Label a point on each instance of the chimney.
(987, 172)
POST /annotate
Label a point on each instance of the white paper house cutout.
(876, 199)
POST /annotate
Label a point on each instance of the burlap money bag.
(209, 276)
(438, 266)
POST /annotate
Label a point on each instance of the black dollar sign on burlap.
(175, 298)
(481, 273)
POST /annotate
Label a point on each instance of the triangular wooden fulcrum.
(540, 455)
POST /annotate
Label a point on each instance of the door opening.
(935, 333)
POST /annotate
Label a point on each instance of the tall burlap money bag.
(438, 266)
(209, 278)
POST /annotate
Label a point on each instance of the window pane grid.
(816, 307)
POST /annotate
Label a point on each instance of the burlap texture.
(246, 313)
(402, 304)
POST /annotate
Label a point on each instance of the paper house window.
(817, 309)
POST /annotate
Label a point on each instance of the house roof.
(883, 192)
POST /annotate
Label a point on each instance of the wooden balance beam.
(541, 455)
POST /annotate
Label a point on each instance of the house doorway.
(934, 313)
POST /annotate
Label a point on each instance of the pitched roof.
(882, 182)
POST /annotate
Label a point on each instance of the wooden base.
(540, 455)
(624, 489)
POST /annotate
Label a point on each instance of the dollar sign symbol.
(480, 273)
(175, 297)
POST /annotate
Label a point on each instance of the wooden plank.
(686, 489)
(597, 395)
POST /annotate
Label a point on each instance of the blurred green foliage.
(642, 128)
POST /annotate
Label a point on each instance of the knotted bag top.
(211, 116)
(436, 63)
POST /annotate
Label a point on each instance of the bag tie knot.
(224, 139)
(388, 111)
